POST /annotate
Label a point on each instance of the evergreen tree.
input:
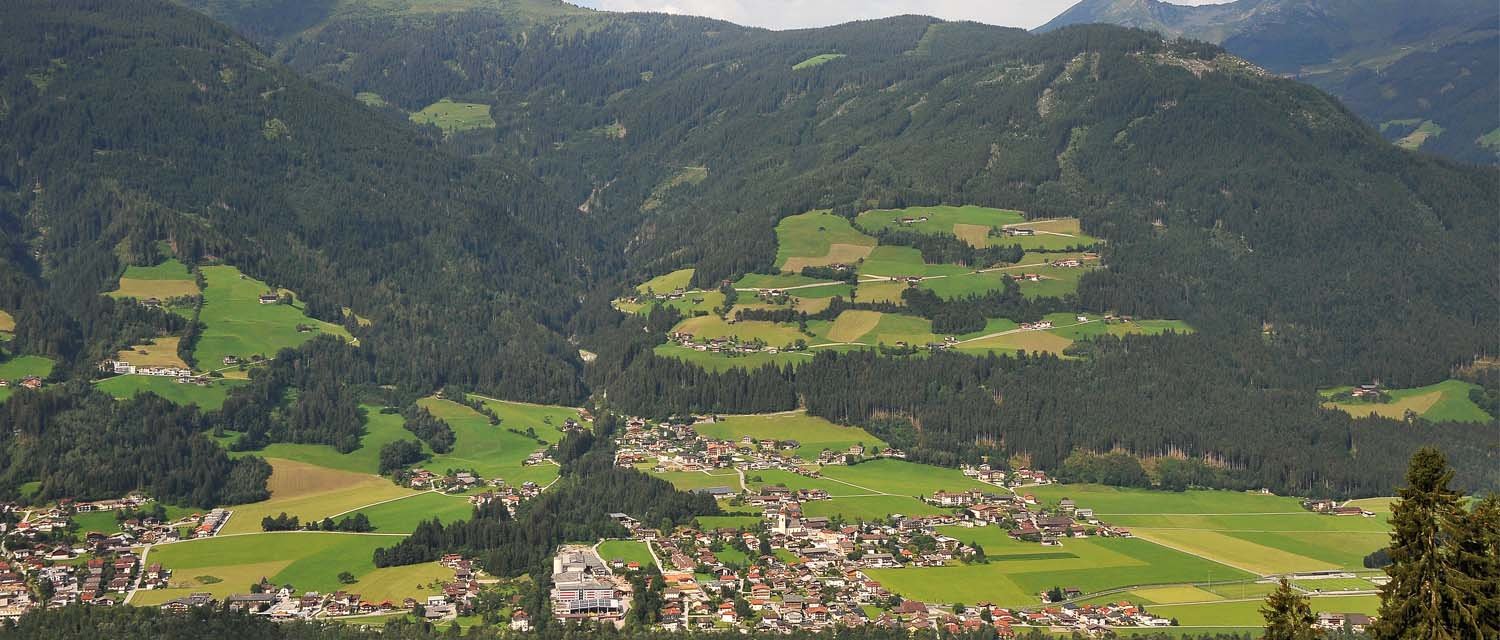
(1429, 595)
(1288, 614)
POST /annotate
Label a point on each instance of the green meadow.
(691, 480)
(105, 522)
(869, 507)
(720, 362)
(1446, 401)
(818, 238)
(941, 220)
(209, 398)
(626, 551)
(453, 117)
(22, 366)
(1246, 613)
(817, 60)
(1018, 571)
(813, 434)
(307, 561)
(797, 481)
(237, 324)
(494, 451)
(380, 429)
(403, 515)
(709, 523)
(169, 279)
(1260, 533)
(903, 478)
(666, 283)
(891, 262)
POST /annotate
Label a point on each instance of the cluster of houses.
(1016, 232)
(676, 445)
(1368, 391)
(182, 374)
(1329, 507)
(1040, 325)
(729, 345)
(29, 382)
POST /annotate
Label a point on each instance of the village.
(807, 573)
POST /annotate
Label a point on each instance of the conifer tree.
(1288, 614)
(1429, 595)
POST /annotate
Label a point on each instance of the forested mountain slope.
(1231, 198)
(127, 123)
(1397, 63)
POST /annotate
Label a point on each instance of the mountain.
(128, 124)
(1403, 66)
(480, 179)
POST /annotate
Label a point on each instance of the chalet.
(269, 298)
(1019, 231)
(31, 382)
(251, 602)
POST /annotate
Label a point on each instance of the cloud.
(799, 14)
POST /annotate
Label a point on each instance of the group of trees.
(1444, 566)
(436, 433)
(1243, 420)
(78, 442)
(576, 508)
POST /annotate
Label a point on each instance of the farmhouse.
(269, 298)
(1019, 231)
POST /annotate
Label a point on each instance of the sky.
(798, 14)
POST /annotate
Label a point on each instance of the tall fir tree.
(1430, 594)
(1288, 615)
(1477, 548)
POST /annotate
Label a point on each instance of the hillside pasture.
(308, 561)
(22, 366)
(818, 239)
(1246, 613)
(812, 433)
(311, 492)
(7, 322)
(403, 515)
(965, 284)
(881, 291)
(209, 398)
(710, 327)
(1016, 340)
(942, 220)
(1018, 571)
(235, 323)
(494, 451)
(902, 478)
(869, 507)
(380, 429)
(900, 262)
(454, 117)
(817, 60)
(162, 352)
(797, 481)
(723, 362)
(170, 279)
(851, 325)
(1444, 401)
(667, 282)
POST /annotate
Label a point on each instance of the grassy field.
(894, 328)
(707, 327)
(104, 521)
(169, 279)
(718, 362)
(666, 283)
(776, 281)
(1018, 571)
(869, 507)
(851, 325)
(903, 478)
(1027, 341)
(812, 433)
(966, 284)
(1335, 584)
(493, 451)
(626, 550)
(307, 561)
(453, 117)
(162, 352)
(1425, 131)
(884, 291)
(1260, 533)
(22, 366)
(820, 59)
(818, 238)
(236, 323)
(968, 222)
(380, 429)
(311, 492)
(371, 99)
(1445, 401)
(403, 516)
(794, 481)
(892, 262)
(7, 322)
(690, 480)
(209, 398)
(1247, 612)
